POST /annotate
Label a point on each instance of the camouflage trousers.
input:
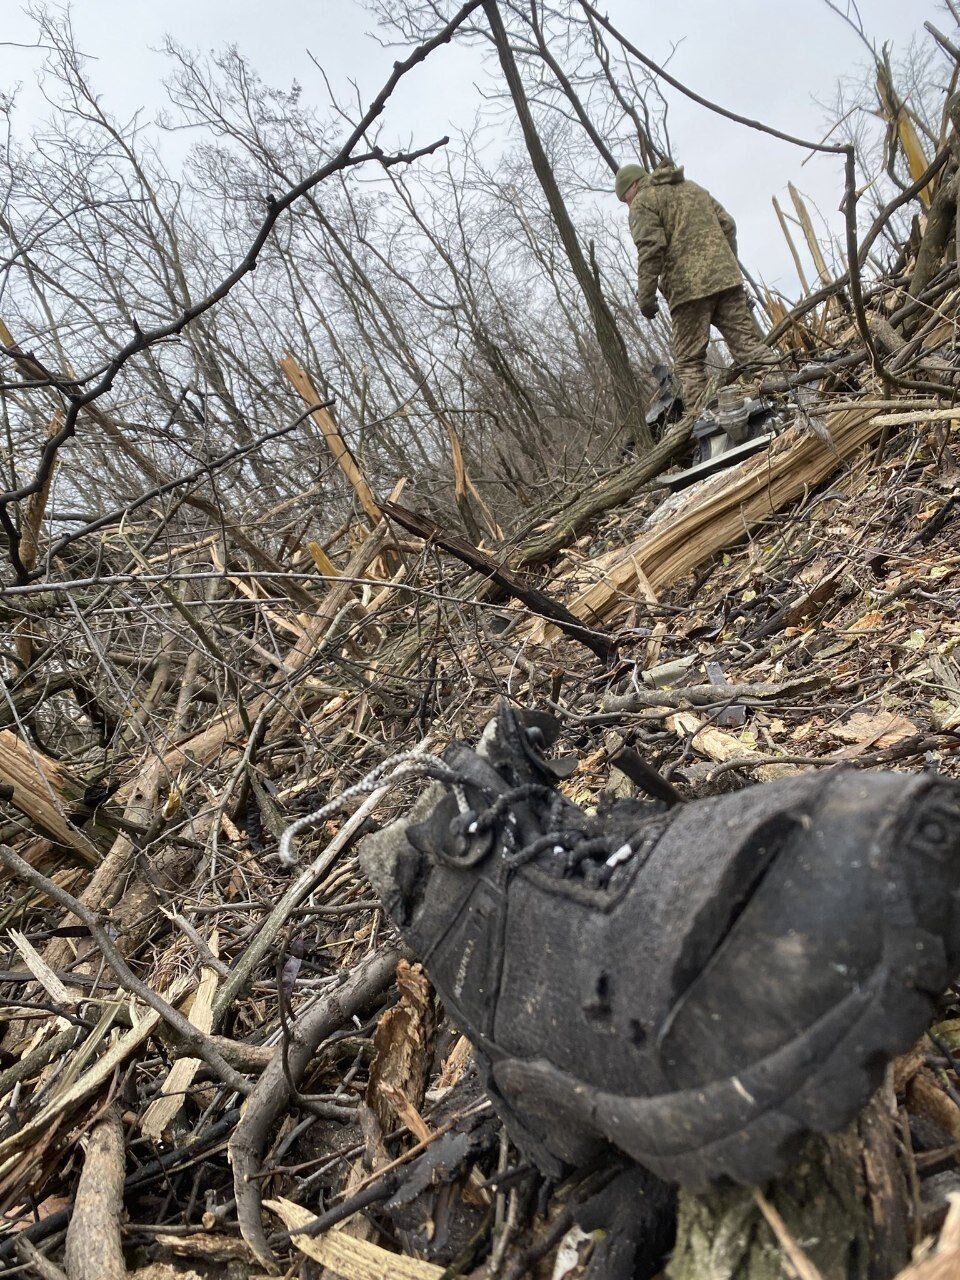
(728, 312)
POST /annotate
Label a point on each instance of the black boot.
(698, 987)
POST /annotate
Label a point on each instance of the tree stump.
(844, 1203)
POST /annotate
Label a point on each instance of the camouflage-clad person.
(687, 244)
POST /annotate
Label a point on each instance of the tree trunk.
(941, 219)
(844, 1205)
(626, 388)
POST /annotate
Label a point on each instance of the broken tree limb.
(813, 244)
(344, 459)
(465, 491)
(41, 790)
(33, 513)
(92, 1081)
(93, 1236)
(275, 1087)
(32, 367)
(534, 599)
(616, 489)
(723, 510)
(791, 245)
(918, 415)
(173, 1092)
(897, 115)
(883, 217)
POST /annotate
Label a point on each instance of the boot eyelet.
(468, 845)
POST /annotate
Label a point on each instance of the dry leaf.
(717, 745)
(457, 1061)
(868, 622)
(881, 729)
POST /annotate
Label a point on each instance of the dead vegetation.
(215, 1059)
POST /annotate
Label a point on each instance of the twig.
(268, 931)
(541, 604)
(200, 1044)
(704, 695)
(38, 1262)
(828, 147)
(914, 746)
(798, 1259)
(272, 1092)
(208, 469)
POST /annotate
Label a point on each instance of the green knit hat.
(627, 175)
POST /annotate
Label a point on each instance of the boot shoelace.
(405, 765)
(572, 846)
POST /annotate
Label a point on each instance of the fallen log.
(624, 484)
(93, 1237)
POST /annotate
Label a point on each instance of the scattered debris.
(213, 1057)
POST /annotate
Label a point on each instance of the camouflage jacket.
(686, 240)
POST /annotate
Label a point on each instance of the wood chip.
(347, 1257)
(161, 1112)
(717, 745)
(399, 1069)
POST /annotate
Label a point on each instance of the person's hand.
(649, 309)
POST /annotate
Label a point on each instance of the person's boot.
(698, 987)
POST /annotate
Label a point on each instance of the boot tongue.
(514, 742)
(447, 835)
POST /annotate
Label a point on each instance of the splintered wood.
(719, 515)
(346, 1256)
(321, 416)
(38, 787)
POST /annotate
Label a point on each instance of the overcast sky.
(767, 59)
